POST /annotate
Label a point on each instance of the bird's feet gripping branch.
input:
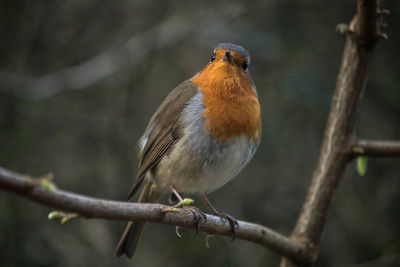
(186, 203)
(232, 221)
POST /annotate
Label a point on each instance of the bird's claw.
(208, 236)
(199, 216)
(232, 221)
(177, 231)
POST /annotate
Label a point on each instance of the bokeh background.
(79, 80)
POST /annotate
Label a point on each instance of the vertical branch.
(362, 35)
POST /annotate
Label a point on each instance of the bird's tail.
(130, 238)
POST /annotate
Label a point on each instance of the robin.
(205, 131)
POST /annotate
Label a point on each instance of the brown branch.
(362, 35)
(87, 207)
(376, 148)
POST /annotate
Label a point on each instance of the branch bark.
(362, 35)
(376, 148)
(88, 207)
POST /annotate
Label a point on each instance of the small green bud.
(362, 165)
(175, 210)
(187, 202)
(54, 215)
(48, 185)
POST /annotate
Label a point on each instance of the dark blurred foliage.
(87, 137)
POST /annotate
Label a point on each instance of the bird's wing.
(165, 130)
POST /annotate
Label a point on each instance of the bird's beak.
(228, 56)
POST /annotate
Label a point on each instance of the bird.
(202, 135)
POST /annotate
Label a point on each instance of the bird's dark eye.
(245, 65)
(213, 57)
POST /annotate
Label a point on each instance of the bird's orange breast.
(231, 104)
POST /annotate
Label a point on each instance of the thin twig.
(376, 148)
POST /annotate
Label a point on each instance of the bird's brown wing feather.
(165, 130)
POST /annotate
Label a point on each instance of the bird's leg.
(233, 222)
(186, 203)
(176, 194)
(173, 199)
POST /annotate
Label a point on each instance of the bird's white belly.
(192, 171)
(198, 162)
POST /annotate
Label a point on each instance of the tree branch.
(39, 191)
(376, 148)
(362, 35)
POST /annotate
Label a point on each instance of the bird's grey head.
(234, 47)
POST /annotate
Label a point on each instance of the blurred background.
(79, 81)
